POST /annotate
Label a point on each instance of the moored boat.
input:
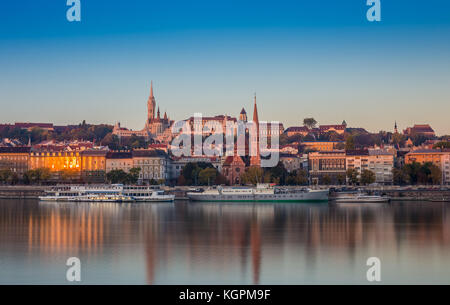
(106, 193)
(260, 193)
(360, 198)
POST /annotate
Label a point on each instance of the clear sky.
(302, 58)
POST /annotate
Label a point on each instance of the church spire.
(158, 113)
(151, 105)
(165, 115)
(151, 89)
(255, 113)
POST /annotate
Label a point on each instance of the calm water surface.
(209, 243)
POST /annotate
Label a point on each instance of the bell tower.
(151, 105)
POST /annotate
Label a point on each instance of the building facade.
(329, 164)
(15, 159)
(153, 165)
(119, 160)
(380, 162)
(232, 169)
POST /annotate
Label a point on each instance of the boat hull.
(316, 196)
(356, 200)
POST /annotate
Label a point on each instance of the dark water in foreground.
(207, 243)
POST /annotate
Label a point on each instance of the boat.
(260, 193)
(359, 197)
(106, 193)
(440, 199)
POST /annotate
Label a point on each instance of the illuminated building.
(15, 159)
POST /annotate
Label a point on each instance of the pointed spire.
(165, 115)
(158, 113)
(151, 88)
(255, 112)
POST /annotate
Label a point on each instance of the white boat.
(262, 193)
(359, 198)
(106, 193)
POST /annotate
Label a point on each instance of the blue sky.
(302, 58)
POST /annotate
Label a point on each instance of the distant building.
(30, 126)
(423, 129)
(380, 162)
(15, 159)
(176, 164)
(320, 145)
(156, 127)
(297, 130)
(293, 162)
(233, 168)
(423, 156)
(153, 164)
(445, 163)
(440, 158)
(304, 130)
(329, 164)
(339, 129)
(119, 160)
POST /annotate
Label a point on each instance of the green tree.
(253, 175)
(207, 176)
(133, 175)
(309, 122)
(5, 175)
(367, 177)
(340, 178)
(117, 176)
(435, 174)
(352, 175)
(349, 143)
(400, 177)
(326, 180)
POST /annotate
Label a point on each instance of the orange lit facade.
(424, 156)
(89, 165)
(320, 146)
(56, 161)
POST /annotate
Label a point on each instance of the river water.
(210, 243)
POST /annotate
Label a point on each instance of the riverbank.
(396, 193)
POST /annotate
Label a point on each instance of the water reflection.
(194, 243)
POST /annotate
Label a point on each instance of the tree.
(400, 177)
(207, 175)
(69, 175)
(117, 176)
(253, 175)
(352, 175)
(133, 175)
(349, 143)
(278, 173)
(309, 122)
(340, 179)
(435, 174)
(326, 180)
(367, 177)
(5, 175)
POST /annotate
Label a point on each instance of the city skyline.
(323, 61)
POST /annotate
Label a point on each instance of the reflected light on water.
(199, 243)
